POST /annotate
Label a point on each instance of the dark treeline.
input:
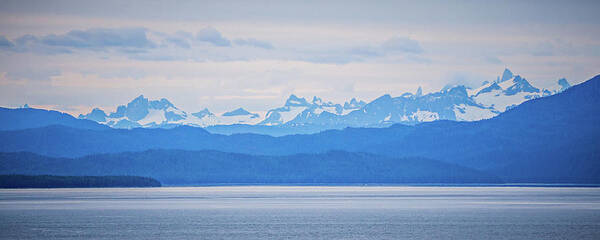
(51, 181)
(206, 167)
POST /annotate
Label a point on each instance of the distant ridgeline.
(50, 181)
(211, 167)
(299, 115)
(552, 139)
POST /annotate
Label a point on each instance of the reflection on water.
(302, 213)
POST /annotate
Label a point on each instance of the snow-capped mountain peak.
(509, 91)
(354, 104)
(298, 111)
(453, 102)
(520, 85)
(140, 112)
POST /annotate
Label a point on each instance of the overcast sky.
(75, 55)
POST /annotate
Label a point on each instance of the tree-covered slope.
(202, 167)
(24, 118)
(51, 181)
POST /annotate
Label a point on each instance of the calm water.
(301, 213)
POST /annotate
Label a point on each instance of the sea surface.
(301, 212)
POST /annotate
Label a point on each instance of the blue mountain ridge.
(298, 115)
(206, 167)
(552, 139)
(24, 118)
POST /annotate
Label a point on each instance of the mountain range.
(25, 117)
(298, 115)
(547, 139)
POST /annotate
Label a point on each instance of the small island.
(51, 181)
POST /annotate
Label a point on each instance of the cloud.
(5, 43)
(31, 43)
(560, 47)
(211, 35)
(543, 49)
(366, 51)
(253, 43)
(468, 79)
(100, 38)
(180, 39)
(208, 44)
(492, 60)
(26, 39)
(34, 74)
(179, 42)
(396, 49)
(402, 45)
(125, 40)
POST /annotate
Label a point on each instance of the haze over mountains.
(299, 115)
(552, 139)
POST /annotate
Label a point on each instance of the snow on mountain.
(203, 113)
(353, 105)
(511, 90)
(141, 112)
(457, 103)
(202, 118)
(299, 111)
(464, 112)
(560, 86)
(451, 103)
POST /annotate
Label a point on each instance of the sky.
(73, 56)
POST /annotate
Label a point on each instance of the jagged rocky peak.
(143, 102)
(140, 112)
(520, 85)
(316, 100)
(139, 100)
(453, 102)
(96, 114)
(162, 104)
(354, 104)
(493, 86)
(137, 109)
(294, 100)
(506, 75)
(205, 112)
(564, 84)
(119, 113)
